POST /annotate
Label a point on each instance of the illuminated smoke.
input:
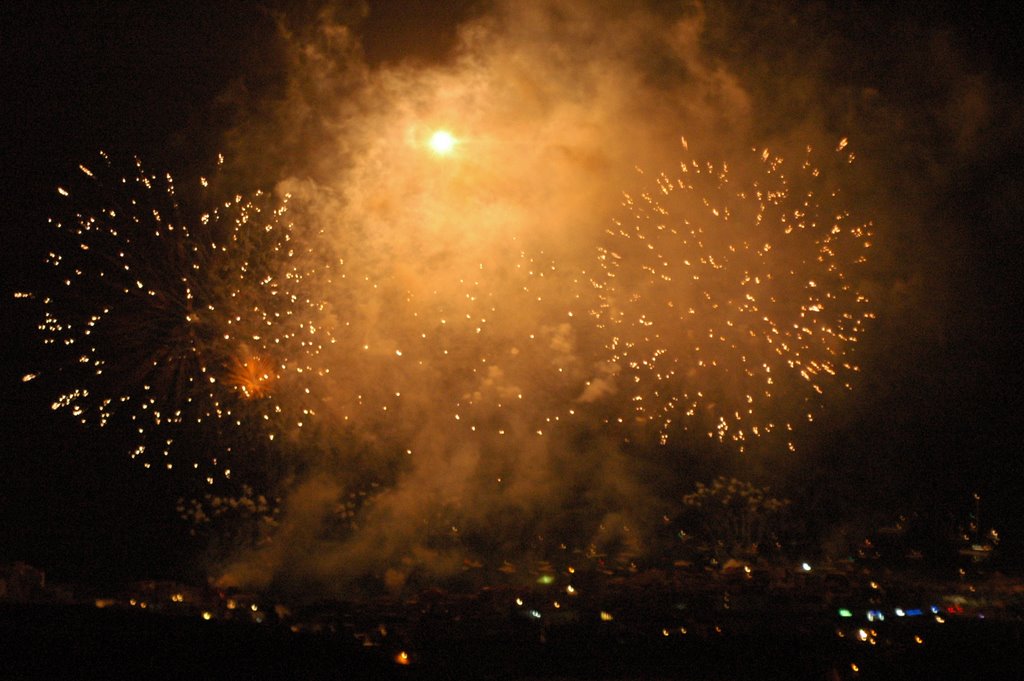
(489, 351)
(480, 324)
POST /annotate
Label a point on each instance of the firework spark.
(179, 326)
(727, 302)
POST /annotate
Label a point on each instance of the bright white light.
(442, 142)
(806, 567)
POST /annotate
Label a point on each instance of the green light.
(546, 579)
(843, 612)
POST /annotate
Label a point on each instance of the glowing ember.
(442, 142)
(252, 376)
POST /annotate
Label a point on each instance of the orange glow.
(252, 376)
(442, 142)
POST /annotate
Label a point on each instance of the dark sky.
(150, 79)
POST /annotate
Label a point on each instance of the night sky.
(930, 102)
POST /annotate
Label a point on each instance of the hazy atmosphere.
(301, 294)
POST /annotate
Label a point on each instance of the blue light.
(875, 615)
(916, 612)
(934, 609)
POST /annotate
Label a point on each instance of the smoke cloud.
(475, 411)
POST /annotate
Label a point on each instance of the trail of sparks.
(177, 324)
(727, 304)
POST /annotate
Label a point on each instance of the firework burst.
(727, 303)
(201, 328)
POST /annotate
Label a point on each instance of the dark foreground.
(51, 641)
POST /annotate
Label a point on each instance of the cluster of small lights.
(727, 304)
(177, 322)
(475, 337)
